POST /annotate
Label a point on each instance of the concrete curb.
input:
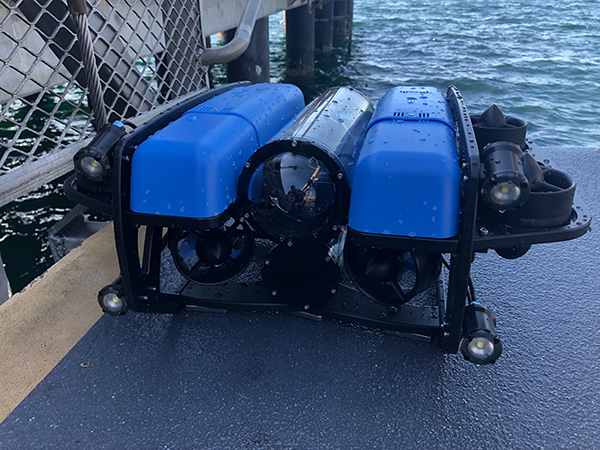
(39, 325)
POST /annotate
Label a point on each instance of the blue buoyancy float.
(191, 167)
(407, 177)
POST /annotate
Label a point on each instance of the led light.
(481, 348)
(112, 300)
(505, 193)
(480, 343)
(92, 168)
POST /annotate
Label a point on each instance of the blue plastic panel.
(191, 167)
(407, 177)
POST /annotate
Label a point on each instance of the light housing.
(480, 343)
(112, 300)
(505, 185)
(93, 162)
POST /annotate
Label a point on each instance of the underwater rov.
(328, 211)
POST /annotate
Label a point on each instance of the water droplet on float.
(400, 221)
(147, 191)
(433, 219)
(412, 233)
(425, 203)
(182, 209)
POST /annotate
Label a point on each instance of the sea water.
(537, 60)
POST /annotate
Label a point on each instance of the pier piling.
(340, 10)
(300, 42)
(324, 29)
(253, 65)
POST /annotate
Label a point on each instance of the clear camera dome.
(293, 195)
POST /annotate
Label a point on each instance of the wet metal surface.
(276, 381)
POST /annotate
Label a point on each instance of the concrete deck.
(275, 381)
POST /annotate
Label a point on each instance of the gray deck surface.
(276, 381)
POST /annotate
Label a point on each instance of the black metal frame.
(140, 277)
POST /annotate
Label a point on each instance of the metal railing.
(147, 52)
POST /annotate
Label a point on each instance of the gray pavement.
(276, 381)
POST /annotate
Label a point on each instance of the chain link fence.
(146, 52)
